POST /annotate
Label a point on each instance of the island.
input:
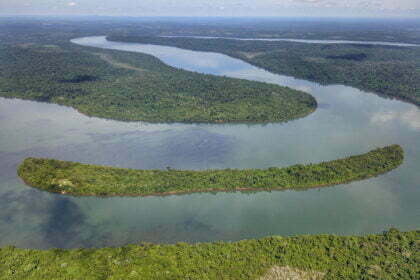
(92, 180)
(390, 255)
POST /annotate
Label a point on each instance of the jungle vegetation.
(45, 28)
(385, 70)
(138, 87)
(388, 30)
(391, 255)
(85, 179)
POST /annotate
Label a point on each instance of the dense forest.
(84, 179)
(138, 87)
(391, 255)
(44, 28)
(37, 62)
(385, 70)
(389, 30)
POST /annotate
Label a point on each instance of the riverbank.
(93, 180)
(391, 255)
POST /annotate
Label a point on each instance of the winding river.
(348, 121)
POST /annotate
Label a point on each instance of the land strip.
(94, 180)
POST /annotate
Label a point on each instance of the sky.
(283, 8)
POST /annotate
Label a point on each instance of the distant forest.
(389, 71)
(385, 70)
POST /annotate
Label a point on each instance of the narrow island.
(93, 180)
(390, 255)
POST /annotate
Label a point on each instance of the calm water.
(347, 122)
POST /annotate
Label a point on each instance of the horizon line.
(189, 16)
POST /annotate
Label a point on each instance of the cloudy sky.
(346, 8)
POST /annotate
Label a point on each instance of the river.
(347, 122)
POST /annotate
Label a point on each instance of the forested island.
(138, 87)
(386, 70)
(86, 179)
(391, 255)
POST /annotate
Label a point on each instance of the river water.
(347, 122)
(377, 43)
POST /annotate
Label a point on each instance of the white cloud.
(71, 4)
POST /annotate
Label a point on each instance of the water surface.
(308, 41)
(347, 122)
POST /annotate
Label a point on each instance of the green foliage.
(390, 71)
(392, 255)
(138, 87)
(84, 179)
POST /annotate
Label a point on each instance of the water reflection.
(409, 118)
(348, 122)
(32, 218)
